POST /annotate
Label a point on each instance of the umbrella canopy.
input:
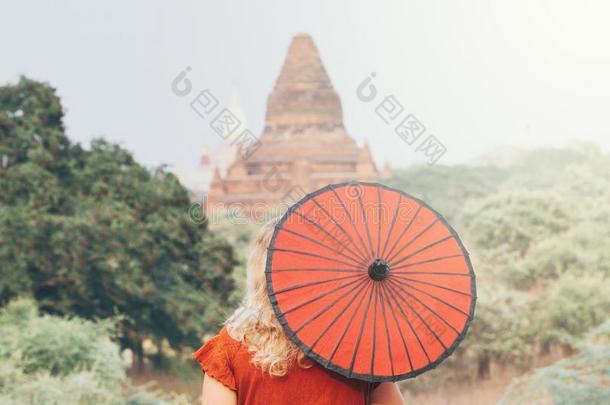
(370, 282)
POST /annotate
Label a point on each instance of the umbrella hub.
(378, 270)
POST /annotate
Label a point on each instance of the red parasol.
(370, 282)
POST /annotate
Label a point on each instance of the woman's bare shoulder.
(387, 393)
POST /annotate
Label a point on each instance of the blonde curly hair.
(254, 322)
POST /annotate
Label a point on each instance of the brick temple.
(304, 145)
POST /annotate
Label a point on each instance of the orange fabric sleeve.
(215, 358)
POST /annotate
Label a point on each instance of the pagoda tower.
(304, 145)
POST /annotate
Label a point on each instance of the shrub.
(48, 360)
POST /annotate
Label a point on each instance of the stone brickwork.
(304, 145)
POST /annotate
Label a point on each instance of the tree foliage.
(538, 232)
(91, 232)
(578, 380)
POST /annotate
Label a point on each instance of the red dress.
(228, 361)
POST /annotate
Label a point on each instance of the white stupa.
(225, 154)
(198, 179)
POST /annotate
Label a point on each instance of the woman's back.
(229, 362)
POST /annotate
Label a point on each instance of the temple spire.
(303, 95)
(304, 145)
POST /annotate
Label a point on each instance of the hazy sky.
(478, 74)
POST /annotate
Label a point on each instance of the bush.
(579, 380)
(65, 361)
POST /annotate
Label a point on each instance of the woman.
(251, 361)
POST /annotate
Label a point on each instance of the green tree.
(91, 232)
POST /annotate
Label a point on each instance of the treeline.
(538, 231)
(89, 232)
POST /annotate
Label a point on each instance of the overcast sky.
(478, 74)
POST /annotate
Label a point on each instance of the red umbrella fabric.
(370, 282)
